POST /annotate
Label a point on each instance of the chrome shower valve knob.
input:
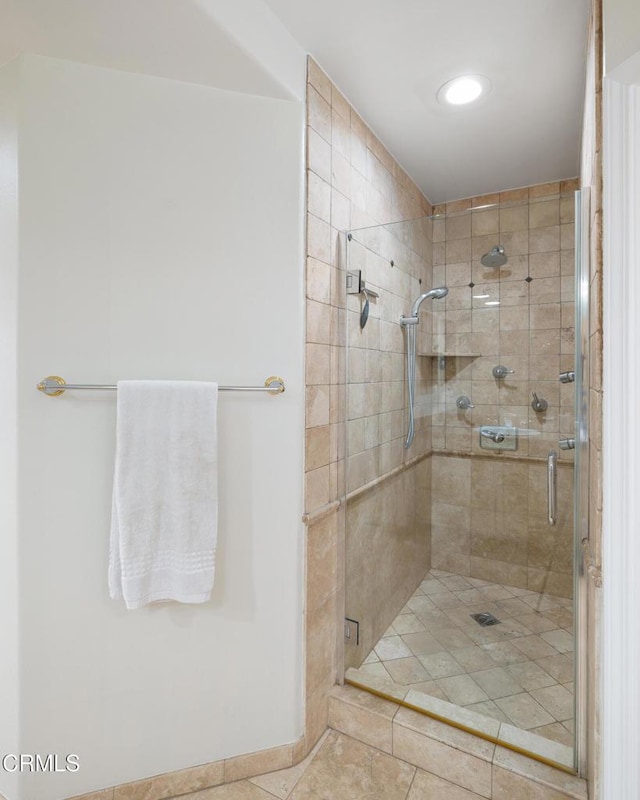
(500, 372)
(463, 403)
(539, 404)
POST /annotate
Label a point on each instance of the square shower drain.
(485, 619)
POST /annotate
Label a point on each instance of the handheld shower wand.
(409, 324)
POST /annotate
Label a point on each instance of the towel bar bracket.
(54, 386)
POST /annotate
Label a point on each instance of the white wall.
(621, 31)
(160, 237)
(8, 487)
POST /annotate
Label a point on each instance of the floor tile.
(496, 682)
(408, 623)
(371, 658)
(524, 711)
(559, 667)
(432, 586)
(469, 596)
(556, 700)
(407, 670)
(498, 668)
(556, 732)
(504, 653)
(240, 790)
(473, 658)
(421, 603)
(537, 622)
(560, 639)
(422, 643)
(392, 647)
(456, 583)
(529, 675)
(496, 592)
(446, 600)
(512, 607)
(453, 639)
(534, 647)
(376, 670)
(441, 665)
(429, 787)
(489, 709)
(350, 770)
(462, 690)
(281, 783)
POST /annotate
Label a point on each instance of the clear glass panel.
(457, 525)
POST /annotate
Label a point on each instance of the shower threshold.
(511, 682)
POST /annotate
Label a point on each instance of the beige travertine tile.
(557, 732)
(173, 783)
(446, 761)
(524, 711)
(281, 783)
(103, 794)
(322, 555)
(240, 767)
(544, 189)
(406, 671)
(557, 700)
(427, 786)
(529, 675)
(513, 195)
(346, 768)
(546, 777)
(362, 716)
(533, 743)
(317, 78)
(241, 790)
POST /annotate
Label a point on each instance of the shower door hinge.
(351, 631)
(354, 281)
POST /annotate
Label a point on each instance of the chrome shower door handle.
(552, 485)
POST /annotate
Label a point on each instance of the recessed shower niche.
(459, 512)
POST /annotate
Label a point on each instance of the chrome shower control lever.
(495, 436)
(500, 372)
(538, 403)
(463, 402)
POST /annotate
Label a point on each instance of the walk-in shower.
(409, 324)
(447, 523)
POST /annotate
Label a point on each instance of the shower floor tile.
(518, 672)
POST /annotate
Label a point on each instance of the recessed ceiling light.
(463, 90)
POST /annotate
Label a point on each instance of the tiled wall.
(353, 182)
(388, 487)
(489, 514)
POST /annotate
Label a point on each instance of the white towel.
(165, 501)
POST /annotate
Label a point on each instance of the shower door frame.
(581, 562)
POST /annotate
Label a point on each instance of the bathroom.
(165, 199)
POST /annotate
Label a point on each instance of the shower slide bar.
(54, 385)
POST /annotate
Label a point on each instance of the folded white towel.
(165, 501)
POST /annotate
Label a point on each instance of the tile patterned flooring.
(341, 768)
(519, 672)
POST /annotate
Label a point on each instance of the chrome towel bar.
(54, 385)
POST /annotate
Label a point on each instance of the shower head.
(434, 294)
(496, 257)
